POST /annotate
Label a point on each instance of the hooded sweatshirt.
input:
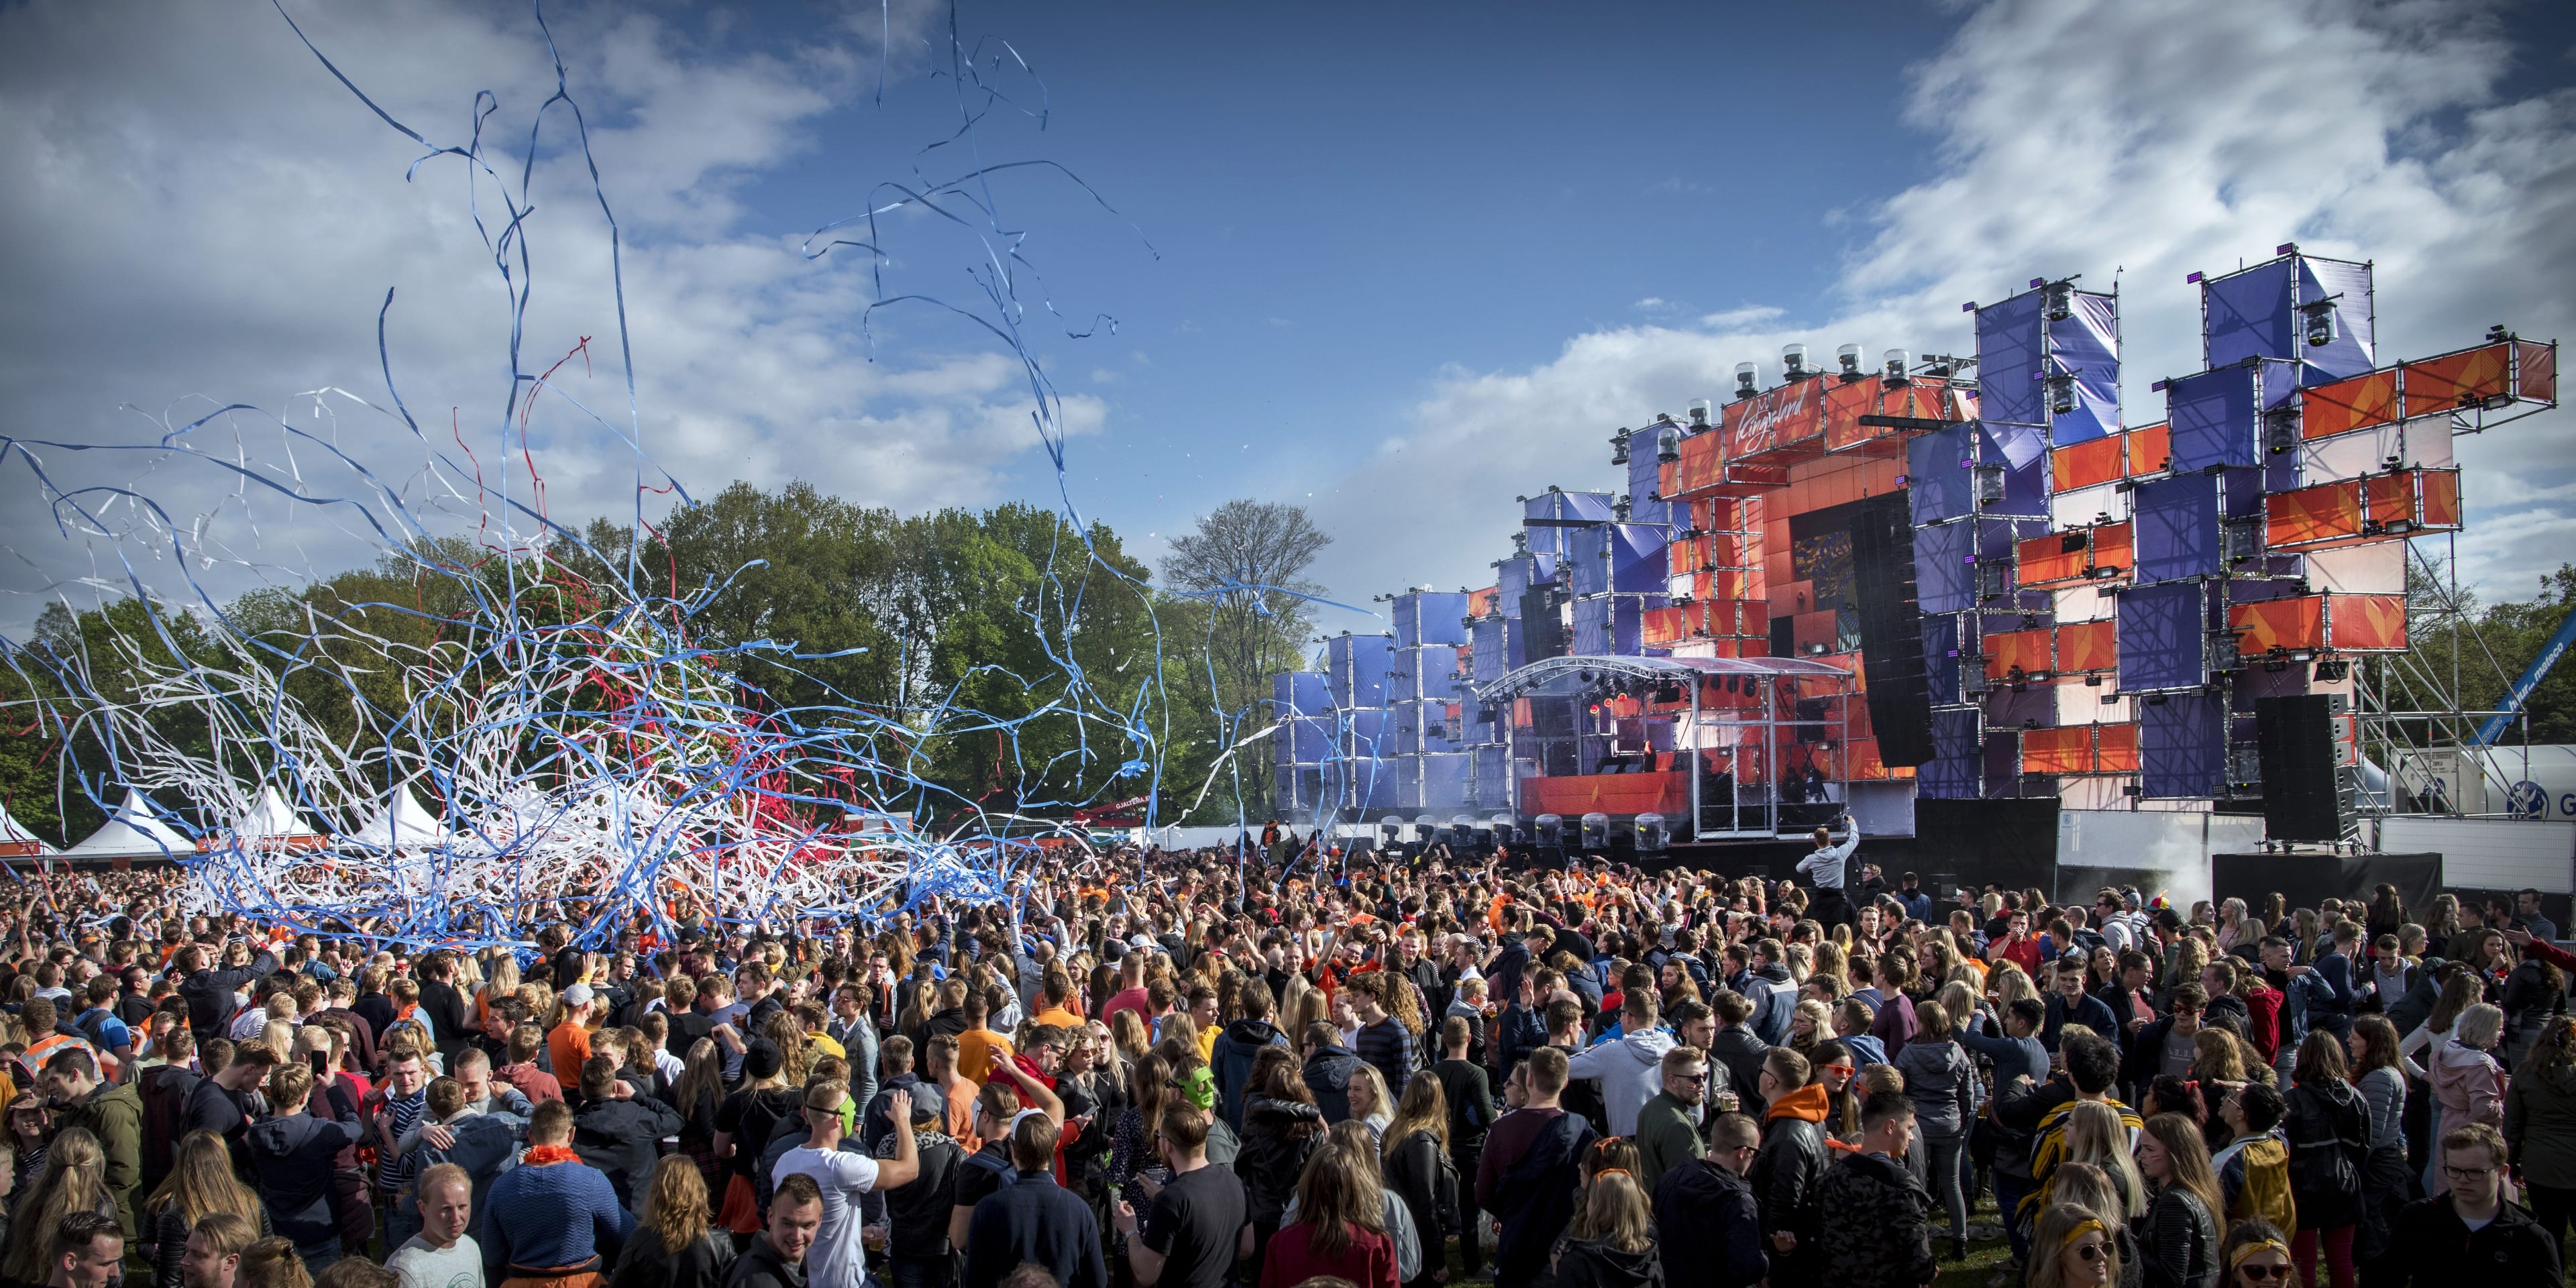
(1630, 1071)
(1775, 1002)
(1232, 1058)
(1592, 1263)
(2465, 1081)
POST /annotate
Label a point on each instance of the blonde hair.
(2095, 1135)
(1613, 1212)
(675, 1208)
(74, 1179)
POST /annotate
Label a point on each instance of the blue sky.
(1405, 263)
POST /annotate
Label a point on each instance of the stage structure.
(1954, 578)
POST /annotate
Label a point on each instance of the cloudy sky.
(1397, 266)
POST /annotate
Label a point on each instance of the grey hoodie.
(1631, 1072)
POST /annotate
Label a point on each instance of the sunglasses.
(2260, 1274)
(1691, 1079)
(2088, 1253)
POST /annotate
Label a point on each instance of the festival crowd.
(1302, 1070)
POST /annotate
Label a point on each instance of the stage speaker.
(1543, 631)
(2294, 738)
(1891, 629)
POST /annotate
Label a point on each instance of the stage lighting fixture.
(1668, 441)
(1893, 363)
(2061, 394)
(1793, 363)
(1619, 446)
(2333, 671)
(2060, 300)
(2281, 428)
(1849, 357)
(1619, 508)
(1699, 413)
(1748, 380)
(2320, 315)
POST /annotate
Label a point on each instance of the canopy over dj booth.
(1704, 748)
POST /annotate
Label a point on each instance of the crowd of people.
(1319, 1071)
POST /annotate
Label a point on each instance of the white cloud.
(200, 209)
(2095, 138)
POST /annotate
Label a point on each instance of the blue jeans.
(2010, 1190)
(400, 1226)
(320, 1256)
(925, 1272)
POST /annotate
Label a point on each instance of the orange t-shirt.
(569, 1047)
(977, 1049)
(1060, 1018)
(961, 1112)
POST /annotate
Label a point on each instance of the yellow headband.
(2082, 1228)
(2268, 1245)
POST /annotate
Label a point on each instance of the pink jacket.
(2470, 1085)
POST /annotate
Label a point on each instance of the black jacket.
(1876, 1216)
(1420, 1174)
(2178, 1241)
(623, 1138)
(759, 1267)
(643, 1264)
(2435, 1249)
(1328, 1074)
(1742, 1053)
(209, 993)
(1278, 1137)
(1711, 1226)
(2329, 1139)
(1786, 1173)
(1230, 1062)
(1588, 1264)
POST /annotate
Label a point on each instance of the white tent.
(14, 835)
(272, 819)
(135, 829)
(404, 824)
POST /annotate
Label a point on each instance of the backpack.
(1005, 1175)
(1444, 1194)
(2266, 1189)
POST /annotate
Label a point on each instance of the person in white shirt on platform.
(442, 1255)
(1825, 869)
(837, 1259)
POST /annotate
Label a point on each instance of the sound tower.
(1891, 630)
(2294, 736)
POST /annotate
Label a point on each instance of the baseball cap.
(577, 995)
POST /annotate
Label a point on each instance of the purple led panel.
(1358, 665)
(1639, 563)
(2182, 745)
(1945, 578)
(1299, 693)
(2177, 528)
(2249, 314)
(2010, 346)
(2164, 637)
(1587, 560)
(2215, 418)
(1430, 617)
(1958, 757)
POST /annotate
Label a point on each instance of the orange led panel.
(2441, 498)
(2362, 402)
(2116, 748)
(2298, 623)
(2047, 561)
(2057, 751)
(2030, 652)
(2088, 646)
(2369, 623)
(2150, 446)
(2102, 460)
(2456, 380)
(2536, 370)
(2391, 497)
(2310, 515)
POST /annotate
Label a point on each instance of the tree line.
(1036, 665)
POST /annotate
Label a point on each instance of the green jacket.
(1666, 1138)
(114, 1114)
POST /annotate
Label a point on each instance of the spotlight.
(2320, 316)
(1893, 364)
(2061, 393)
(1699, 413)
(1793, 363)
(1668, 441)
(1748, 380)
(1619, 446)
(2333, 671)
(1849, 357)
(2060, 300)
(2281, 428)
